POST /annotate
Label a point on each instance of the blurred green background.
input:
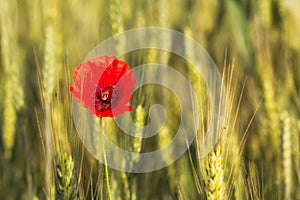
(256, 46)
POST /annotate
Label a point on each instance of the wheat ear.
(287, 154)
(215, 186)
(65, 179)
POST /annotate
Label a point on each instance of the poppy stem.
(105, 159)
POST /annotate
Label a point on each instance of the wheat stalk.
(108, 187)
(253, 183)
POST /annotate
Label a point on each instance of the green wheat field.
(256, 46)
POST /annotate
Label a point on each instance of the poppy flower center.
(103, 98)
(104, 95)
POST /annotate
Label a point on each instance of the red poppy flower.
(103, 85)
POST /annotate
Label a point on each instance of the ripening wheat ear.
(139, 124)
(287, 155)
(222, 164)
(48, 86)
(213, 174)
(296, 139)
(116, 22)
(65, 179)
(115, 17)
(265, 9)
(14, 95)
(123, 184)
(48, 69)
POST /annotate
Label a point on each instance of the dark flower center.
(103, 97)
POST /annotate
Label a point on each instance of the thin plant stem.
(48, 142)
(105, 160)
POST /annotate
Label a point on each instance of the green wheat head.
(65, 179)
(215, 185)
(12, 63)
